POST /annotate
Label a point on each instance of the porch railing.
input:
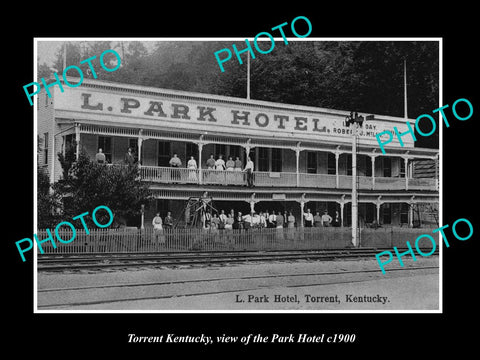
(272, 179)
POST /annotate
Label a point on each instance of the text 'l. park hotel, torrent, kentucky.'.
(302, 155)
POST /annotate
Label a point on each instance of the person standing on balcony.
(280, 222)
(220, 166)
(230, 165)
(263, 220)
(326, 219)
(238, 169)
(336, 222)
(247, 221)
(175, 163)
(249, 170)
(290, 220)
(210, 166)
(222, 216)
(129, 158)
(285, 217)
(211, 163)
(290, 226)
(168, 221)
(272, 220)
(192, 165)
(100, 157)
(308, 218)
(317, 220)
(229, 222)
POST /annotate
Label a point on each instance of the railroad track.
(107, 293)
(51, 262)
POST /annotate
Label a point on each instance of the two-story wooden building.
(302, 155)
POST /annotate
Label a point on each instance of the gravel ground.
(240, 287)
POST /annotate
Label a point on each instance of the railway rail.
(112, 295)
(63, 262)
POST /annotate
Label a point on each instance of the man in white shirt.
(272, 220)
(249, 170)
(308, 218)
(262, 220)
(326, 219)
(222, 216)
(247, 221)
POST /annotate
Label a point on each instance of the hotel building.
(302, 155)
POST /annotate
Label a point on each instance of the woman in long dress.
(220, 166)
(192, 166)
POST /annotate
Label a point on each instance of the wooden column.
(337, 179)
(77, 140)
(373, 170)
(406, 172)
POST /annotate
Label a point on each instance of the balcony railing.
(283, 179)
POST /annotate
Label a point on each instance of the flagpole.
(405, 109)
(248, 76)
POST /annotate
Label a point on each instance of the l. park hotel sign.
(245, 119)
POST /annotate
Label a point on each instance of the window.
(45, 148)
(311, 162)
(403, 213)
(370, 212)
(349, 164)
(191, 149)
(386, 213)
(276, 160)
(163, 153)
(402, 168)
(69, 143)
(133, 144)
(263, 159)
(105, 143)
(368, 166)
(331, 164)
(387, 167)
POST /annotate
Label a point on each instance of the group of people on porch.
(267, 219)
(218, 164)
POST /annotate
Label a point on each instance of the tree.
(87, 184)
(48, 203)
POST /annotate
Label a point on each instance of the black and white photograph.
(203, 178)
(235, 175)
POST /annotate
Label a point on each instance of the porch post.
(410, 214)
(302, 205)
(342, 204)
(139, 145)
(200, 172)
(297, 156)
(337, 179)
(378, 203)
(252, 206)
(373, 170)
(77, 140)
(437, 177)
(405, 159)
(410, 211)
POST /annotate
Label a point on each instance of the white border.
(440, 101)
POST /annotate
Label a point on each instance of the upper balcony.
(169, 175)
